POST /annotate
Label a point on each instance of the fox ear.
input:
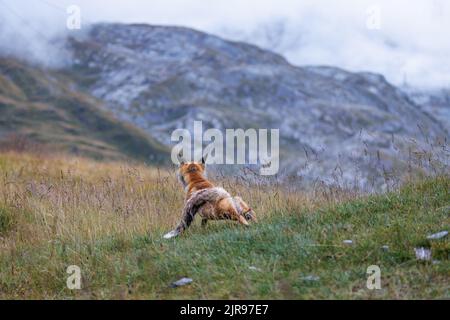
(180, 157)
(204, 158)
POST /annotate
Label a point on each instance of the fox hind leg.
(242, 220)
(228, 210)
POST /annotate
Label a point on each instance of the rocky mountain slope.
(334, 125)
(45, 108)
(435, 102)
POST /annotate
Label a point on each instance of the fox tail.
(195, 202)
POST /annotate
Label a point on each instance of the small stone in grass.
(385, 248)
(254, 268)
(347, 242)
(311, 278)
(438, 235)
(446, 209)
(423, 253)
(181, 282)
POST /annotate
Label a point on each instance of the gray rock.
(254, 268)
(423, 254)
(311, 278)
(439, 235)
(181, 282)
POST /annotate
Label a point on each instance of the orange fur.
(193, 177)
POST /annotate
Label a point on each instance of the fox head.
(189, 171)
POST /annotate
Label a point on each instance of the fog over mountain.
(411, 44)
(353, 105)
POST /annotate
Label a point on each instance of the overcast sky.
(407, 40)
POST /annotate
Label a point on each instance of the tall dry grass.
(109, 218)
(57, 197)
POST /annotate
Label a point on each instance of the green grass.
(6, 220)
(284, 250)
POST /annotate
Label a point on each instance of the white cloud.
(412, 42)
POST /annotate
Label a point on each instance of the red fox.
(202, 197)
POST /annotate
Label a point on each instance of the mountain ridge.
(44, 107)
(334, 124)
(162, 78)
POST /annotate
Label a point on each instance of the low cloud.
(410, 45)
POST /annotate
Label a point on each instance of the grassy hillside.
(47, 110)
(108, 219)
